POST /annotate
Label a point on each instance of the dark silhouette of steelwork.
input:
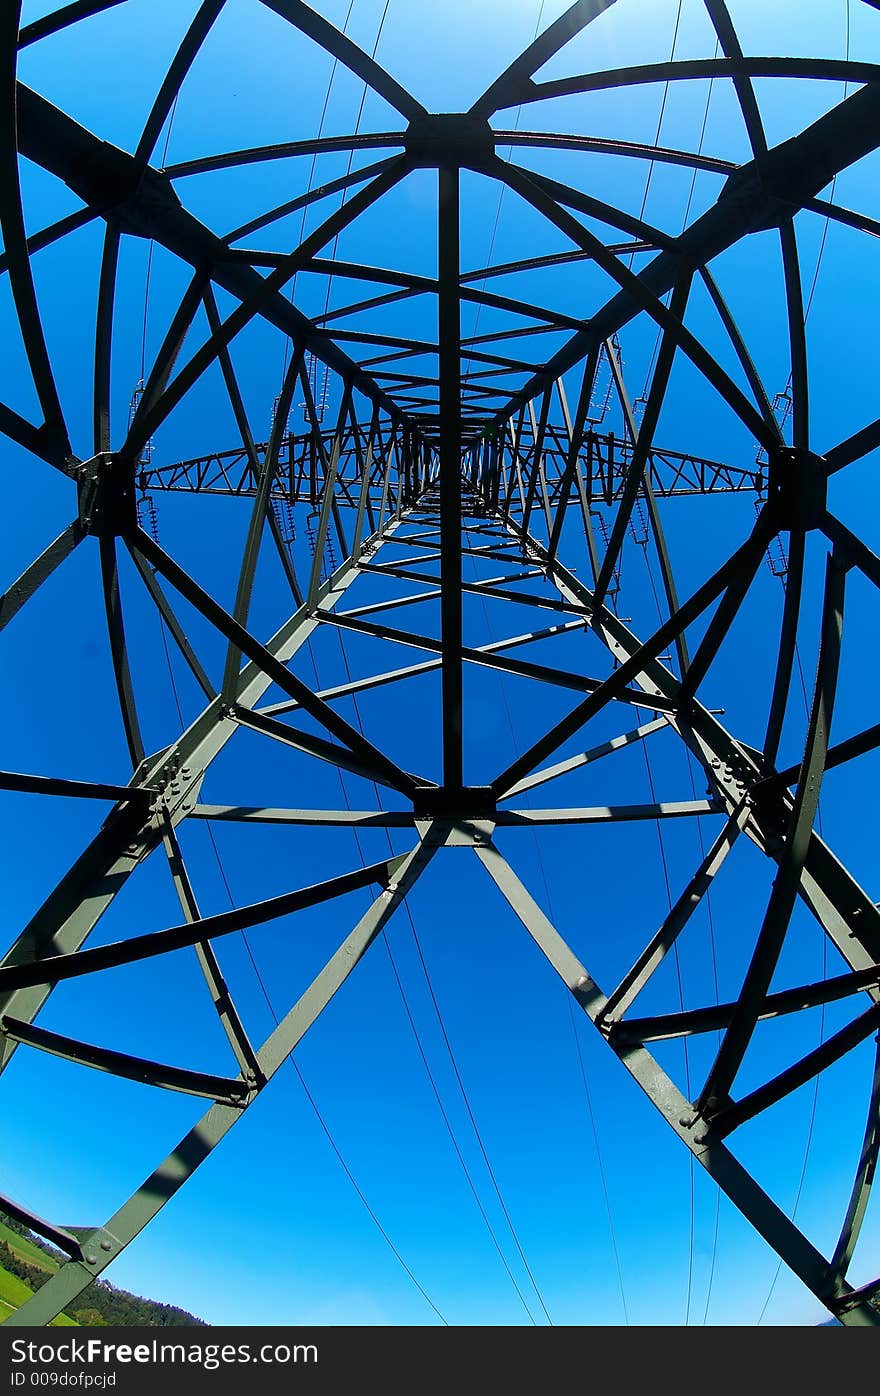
(418, 464)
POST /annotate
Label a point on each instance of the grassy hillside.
(26, 1249)
(26, 1262)
(13, 1293)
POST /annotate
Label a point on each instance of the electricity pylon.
(479, 456)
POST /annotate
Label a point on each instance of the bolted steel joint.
(106, 496)
(449, 138)
(797, 488)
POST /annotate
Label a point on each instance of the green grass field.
(101, 1304)
(26, 1250)
(13, 1293)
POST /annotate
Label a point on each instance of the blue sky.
(270, 1230)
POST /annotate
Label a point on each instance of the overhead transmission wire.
(322, 1121)
(171, 116)
(688, 205)
(588, 1097)
(814, 1102)
(803, 686)
(269, 1004)
(423, 964)
(709, 911)
(412, 1023)
(153, 516)
(357, 128)
(699, 822)
(786, 395)
(450, 1052)
(677, 963)
(663, 102)
(603, 1180)
(312, 168)
(346, 1168)
(713, 944)
(315, 158)
(646, 754)
(394, 967)
(587, 1094)
(643, 542)
(651, 782)
(224, 878)
(320, 396)
(147, 449)
(393, 964)
(815, 1095)
(676, 960)
(501, 194)
(222, 871)
(590, 1111)
(833, 187)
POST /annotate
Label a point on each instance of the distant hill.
(26, 1263)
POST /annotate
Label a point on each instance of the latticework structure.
(456, 505)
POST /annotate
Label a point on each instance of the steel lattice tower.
(416, 457)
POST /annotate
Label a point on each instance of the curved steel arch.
(431, 460)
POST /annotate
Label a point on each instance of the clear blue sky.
(270, 1230)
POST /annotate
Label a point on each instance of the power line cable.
(476, 1129)
(679, 976)
(663, 102)
(398, 979)
(309, 1096)
(815, 1097)
(317, 1111)
(453, 1060)
(811, 1123)
(302, 222)
(812, 290)
(713, 949)
(807, 309)
(676, 959)
(687, 211)
(410, 1016)
(550, 907)
(170, 127)
(501, 194)
(646, 754)
(357, 128)
(394, 967)
(389, 951)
